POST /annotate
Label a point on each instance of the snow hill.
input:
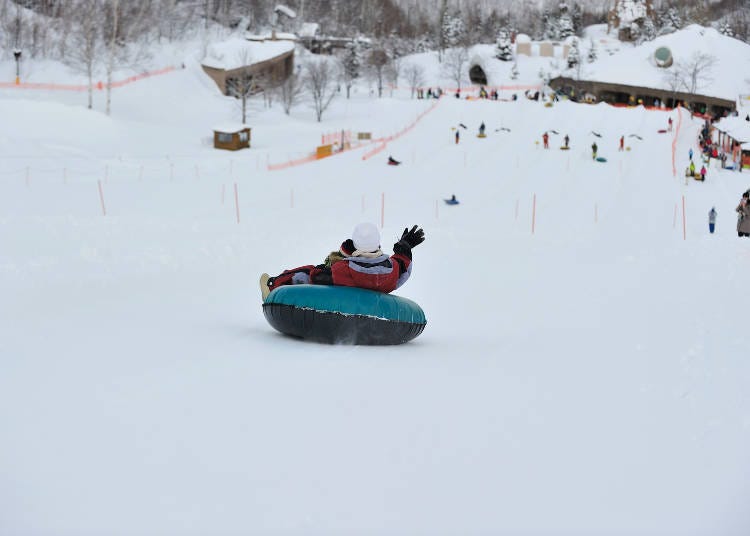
(589, 377)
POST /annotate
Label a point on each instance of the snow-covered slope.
(587, 378)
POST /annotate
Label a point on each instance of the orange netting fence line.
(314, 156)
(387, 139)
(348, 146)
(674, 141)
(291, 163)
(85, 87)
(340, 137)
(474, 89)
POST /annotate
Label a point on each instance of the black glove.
(347, 247)
(413, 236)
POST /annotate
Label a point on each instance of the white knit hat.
(366, 237)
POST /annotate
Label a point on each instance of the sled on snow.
(343, 315)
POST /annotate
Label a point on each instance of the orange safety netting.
(84, 87)
(384, 141)
(674, 141)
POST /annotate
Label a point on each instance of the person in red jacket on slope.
(359, 262)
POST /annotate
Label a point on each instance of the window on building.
(224, 137)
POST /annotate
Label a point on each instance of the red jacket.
(382, 273)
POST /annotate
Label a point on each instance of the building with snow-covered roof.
(232, 137)
(239, 58)
(638, 76)
(732, 134)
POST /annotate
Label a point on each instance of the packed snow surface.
(584, 369)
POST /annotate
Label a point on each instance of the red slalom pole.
(101, 197)
(237, 202)
(684, 229)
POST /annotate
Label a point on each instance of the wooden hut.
(232, 137)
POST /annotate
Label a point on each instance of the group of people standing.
(691, 168)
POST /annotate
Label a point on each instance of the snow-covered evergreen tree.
(574, 55)
(725, 28)
(549, 26)
(670, 21)
(593, 53)
(648, 30)
(576, 16)
(503, 46)
(453, 30)
(352, 63)
(564, 23)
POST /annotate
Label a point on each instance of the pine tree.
(725, 28)
(550, 29)
(577, 18)
(648, 31)
(564, 23)
(670, 21)
(574, 56)
(503, 47)
(352, 62)
(453, 30)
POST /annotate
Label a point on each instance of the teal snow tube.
(343, 315)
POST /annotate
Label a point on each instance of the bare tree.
(321, 81)
(377, 61)
(243, 85)
(673, 80)
(454, 64)
(393, 72)
(290, 91)
(695, 73)
(85, 52)
(414, 74)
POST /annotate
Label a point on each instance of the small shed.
(232, 137)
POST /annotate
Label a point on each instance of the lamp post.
(17, 55)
